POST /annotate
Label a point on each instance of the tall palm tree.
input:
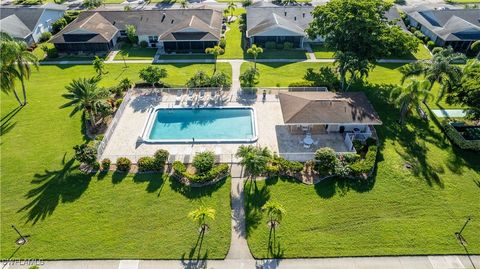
(84, 95)
(410, 96)
(215, 51)
(24, 60)
(231, 7)
(8, 71)
(254, 50)
(412, 69)
(275, 212)
(200, 216)
(99, 65)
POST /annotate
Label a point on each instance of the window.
(152, 39)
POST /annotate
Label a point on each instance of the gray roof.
(450, 24)
(20, 21)
(327, 108)
(262, 17)
(170, 24)
(393, 15)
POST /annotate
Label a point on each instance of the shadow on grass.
(118, 177)
(155, 181)
(200, 259)
(6, 124)
(195, 192)
(64, 185)
(327, 188)
(274, 248)
(255, 198)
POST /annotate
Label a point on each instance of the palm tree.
(183, 4)
(24, 61)
(215, 51)
(200, 216)
(254, 159)
(289, 2)
(84, 95)
(99, 65)
(476, 48)
(411, 69)
(231, 7)
(410, 96)
(8, 71)
(275, 212)
(254, 50)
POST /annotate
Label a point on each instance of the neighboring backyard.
(400, 211)
(69, 215)
(321, 52)
(129, 52)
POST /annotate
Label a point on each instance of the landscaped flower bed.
(203, 170)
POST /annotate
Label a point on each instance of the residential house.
(27, 23)
(457, 28)
(173, 30)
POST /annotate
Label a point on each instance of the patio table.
(308, 140)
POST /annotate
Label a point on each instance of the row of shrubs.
(280, 166)
(218, 171)
(458, 139)
(275, 45)
(145, 164)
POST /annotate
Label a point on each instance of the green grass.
(130, 52)
(197, 56)
(321, 52)
(104, 216)
(41, 55)
(398, 212)
(281, 54)
(234, 38)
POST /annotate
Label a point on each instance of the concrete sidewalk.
(400, 262)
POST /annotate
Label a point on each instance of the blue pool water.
(203, 124)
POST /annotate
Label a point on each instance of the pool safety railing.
(111, 128)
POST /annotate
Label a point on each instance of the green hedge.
(364, 166)
(458, 139)
(146, 164)
(179, 170)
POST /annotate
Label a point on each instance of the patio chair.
(212, 97)
(178, 97)
(316, 142)
(307, 146)
(202, 96)
(300, 141)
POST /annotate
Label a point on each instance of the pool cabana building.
(348, 113)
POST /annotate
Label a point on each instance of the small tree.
(99, 65)
(249, 78)
(85, 154)
(254, 51)
(215, 51)
(200, 216)
(254, 159)
(204, 162)
(59, 25)
(153, 74)
(275, 212)
(231, 7)
(131, 32)
(326, 161)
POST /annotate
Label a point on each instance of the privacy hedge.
(365, 166)
(458, 139)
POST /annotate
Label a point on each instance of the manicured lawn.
(234, 38)
(281, 54)
(130, 52)
(401, 211)
(69, 215)
(321, 52)
(200, 56)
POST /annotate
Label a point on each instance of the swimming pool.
(226, 124)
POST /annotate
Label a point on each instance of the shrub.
(106, 164)
(95, 166)
(430, 45)
(270, 45)
(458, 139)
(161, 157)
(279, 46)
(123, 164)
(365, 166)
(246, 3)
(371, 141)
(302, 83)
(419, 34)
(357, 144)
(325, 77)
(143, 44)
(85, 153)
(326, 161)
(178, 169)
(350, 157)
(45, 36)
(146, 164)
(288, 45)
(118, 102)
(59, 25)
(52, 53)
(204, 162)
(222, 43)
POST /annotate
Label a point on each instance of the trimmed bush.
(204, 162)
(365, 166)
(143, 44)
(123, 164)
(358, 145)
(222, 43)
(146, 164)
(95, 166)
(326, 161)
(270, 45)
(371, 141)
(118, 102)
(288, 45)
(45, 36)
(85, 153)
(350, 157)
(302, 83)
(458, 139)
(430, 45)
(106, 164)
(59, 25)
(279, 46)
(161, 157)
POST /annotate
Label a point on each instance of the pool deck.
(124, 141)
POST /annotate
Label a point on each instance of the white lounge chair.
(178, 97)
(306, 146)
(202, 96)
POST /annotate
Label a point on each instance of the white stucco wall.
(44, 24)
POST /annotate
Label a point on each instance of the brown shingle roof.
(95, 24)
(327, 108)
